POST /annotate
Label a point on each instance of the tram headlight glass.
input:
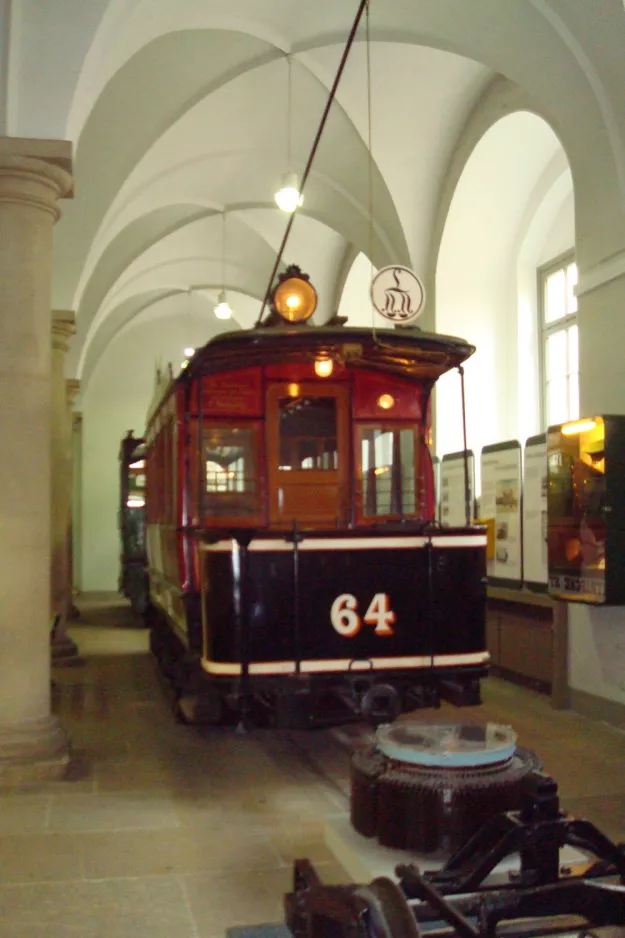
(386, 401)
(294, 298)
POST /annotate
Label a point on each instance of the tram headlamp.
(294, 298)
(386, 401)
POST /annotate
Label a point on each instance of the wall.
(115, 401)
(500, 220)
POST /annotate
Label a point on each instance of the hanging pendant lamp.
(288, 196)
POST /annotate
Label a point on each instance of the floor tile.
(124, 811)
(131, 908)
(154, 853)
(41, 858)
(23, 813)
(240, 898)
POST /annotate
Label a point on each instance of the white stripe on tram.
(346, 664)
(358, 543)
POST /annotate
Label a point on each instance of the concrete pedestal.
(33, 177)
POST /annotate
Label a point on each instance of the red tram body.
(293, 553)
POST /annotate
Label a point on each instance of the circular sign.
(397, 293)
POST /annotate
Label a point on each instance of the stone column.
(62, 396)
(76, 565)
(34, 175)
(63, 327)
(72, 387)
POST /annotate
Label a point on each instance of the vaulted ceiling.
(178, 115)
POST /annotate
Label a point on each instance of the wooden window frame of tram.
(199, 496)
(386, 424)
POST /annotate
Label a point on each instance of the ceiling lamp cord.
(223, 309)
(289, 109)
(313, 151)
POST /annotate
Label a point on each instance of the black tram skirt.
(335, 604)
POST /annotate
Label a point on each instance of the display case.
(586, 510)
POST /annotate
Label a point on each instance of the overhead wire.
(313, 151)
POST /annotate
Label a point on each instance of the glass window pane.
(555, 296)
(573, 397)
(573, 350)
(557, 355)
(307, 433)
(557, 400)
(388, 471)
(230, 470)
(407, 471)
(571, 283)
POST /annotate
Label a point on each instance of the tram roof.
(407, 352)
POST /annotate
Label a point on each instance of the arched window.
(559, 340)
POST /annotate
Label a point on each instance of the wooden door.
(308, 454)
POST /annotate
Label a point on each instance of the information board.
(501, 500)
(535, 487)
(452, 489)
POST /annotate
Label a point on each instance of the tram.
(133, 578)
(295, 565)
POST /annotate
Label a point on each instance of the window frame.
(230, 499)
(386, 425)
(545, 330)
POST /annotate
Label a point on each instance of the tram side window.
(307, 427)
(388, 471)
(231, 475)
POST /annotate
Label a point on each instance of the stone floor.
(163, 830)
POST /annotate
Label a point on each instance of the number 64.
(345, 619)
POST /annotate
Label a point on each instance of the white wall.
(115, 401)
(486, 279)
(356, 297)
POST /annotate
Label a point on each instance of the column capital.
(63, 328)
(35, 172)
(72, 390)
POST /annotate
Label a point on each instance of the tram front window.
(388, 471)
(307, 433)
(230, 470)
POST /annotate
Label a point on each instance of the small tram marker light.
(386, 401)
(189, 352)
(294, 298)
(578, 426)
(324, 367)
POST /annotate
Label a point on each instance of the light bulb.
(293, 301)
(189, 352)
(324, 367)
(223, 309)
(288, 197)
(386, 401)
